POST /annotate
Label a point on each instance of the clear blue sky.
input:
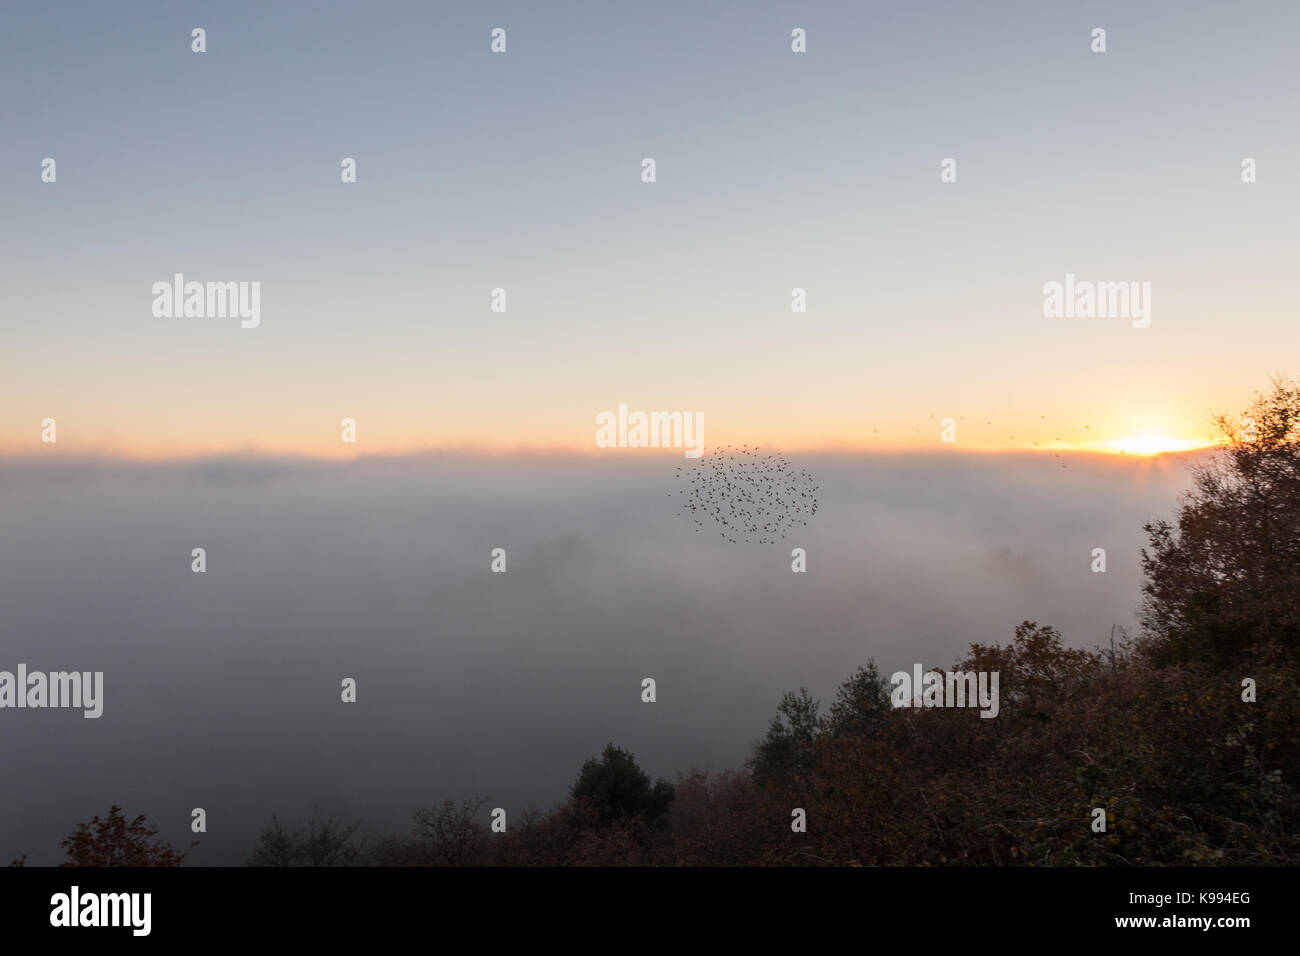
(521, 171)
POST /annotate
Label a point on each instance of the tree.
(329, 842)
(115, 841)
(862, 703)
(1223, 581)
(324, 841)
(449, 834)
(788, 753)
(277, 845)
(620, 791)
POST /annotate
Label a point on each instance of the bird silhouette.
(750, 496)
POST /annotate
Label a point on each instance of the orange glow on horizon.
(1146, 444)
(1151, 443)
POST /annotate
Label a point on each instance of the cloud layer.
(222, 690)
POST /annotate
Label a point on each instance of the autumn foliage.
(115, 841)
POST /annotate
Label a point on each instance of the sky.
(476, 429)
(522, 171)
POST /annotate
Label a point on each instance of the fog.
(222, 689)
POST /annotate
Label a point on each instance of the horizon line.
(557, 452)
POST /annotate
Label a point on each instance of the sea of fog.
(222, 689)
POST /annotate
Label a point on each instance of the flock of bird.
(750, 497)
(753, 497)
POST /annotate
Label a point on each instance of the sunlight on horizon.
(1151, 443)
(1145, 444)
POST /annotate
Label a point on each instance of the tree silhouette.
(115, 841)
(1224, 580)
(862, 703)
(617, 790)
(788, 753)
(449, 834)
(277, 845)
(324, 841)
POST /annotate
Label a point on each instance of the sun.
(1150, 443)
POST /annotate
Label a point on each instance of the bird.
(747, 495)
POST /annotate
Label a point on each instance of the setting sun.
(1151, 443)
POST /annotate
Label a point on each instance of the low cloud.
(221, 690)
